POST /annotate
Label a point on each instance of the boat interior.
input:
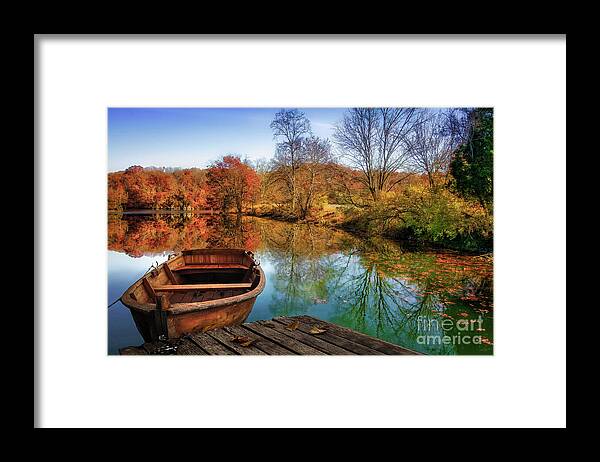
(200, 275)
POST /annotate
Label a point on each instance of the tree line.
(381, 165)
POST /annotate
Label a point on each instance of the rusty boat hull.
(193, 291)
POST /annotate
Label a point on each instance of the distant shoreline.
(339, 226)
(160, 211)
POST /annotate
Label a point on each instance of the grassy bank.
(418, 215)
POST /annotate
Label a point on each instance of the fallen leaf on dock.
(316, 330)
(243, 340)
(293, 326)
(248, 343)
(269, 324)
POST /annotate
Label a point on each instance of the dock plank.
(209, 344)
(282, 340)
(187, 347)
(226, 338)
(267, 347)
(308, 339)
(273, 338)
(341, 342)
(363, 339)
(131, 350)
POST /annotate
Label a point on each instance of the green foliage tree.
(472, 168)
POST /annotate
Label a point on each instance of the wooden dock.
(297, 335)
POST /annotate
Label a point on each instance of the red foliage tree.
(191, 188)
(117, 192)
(231, 183)
(139, 188)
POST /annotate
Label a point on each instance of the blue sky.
(194, 137)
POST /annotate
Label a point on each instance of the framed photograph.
(362, 236)
(336, 231)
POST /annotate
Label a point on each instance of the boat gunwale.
(182, 308)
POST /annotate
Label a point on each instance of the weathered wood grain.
(310, 340)
(151, 348)
(210, 267)
(187, 347)
(330, 337)
(170, 274)
(273, 338)
(131, 350)
(187, 297)
(264, 345)
(363, 339)
(176, 298)
(282, 340)
(209, 344)
(149, 289)
(226, 338)
(192, 287)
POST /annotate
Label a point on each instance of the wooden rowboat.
(195, 290)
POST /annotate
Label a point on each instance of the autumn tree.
(117, 193)
(290, 127)
(162, 186)
(191, 190)
(154, 188)
(231, 183)
(139, 192)
(262, 167)
(373, 140)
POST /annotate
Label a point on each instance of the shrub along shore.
(443, 221)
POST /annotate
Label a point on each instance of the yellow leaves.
(243, 340)
(293, 325)
(315, 330)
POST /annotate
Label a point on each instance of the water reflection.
(414, 298)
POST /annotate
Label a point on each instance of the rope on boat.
(152, 267)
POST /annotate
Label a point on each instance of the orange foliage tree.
(139, 188)
(231, 183)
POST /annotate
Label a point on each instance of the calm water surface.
(435, 302)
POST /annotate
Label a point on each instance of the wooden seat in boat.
(178, 287)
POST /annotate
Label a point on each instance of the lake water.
(432, 301)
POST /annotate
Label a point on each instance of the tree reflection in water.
(373, 286)
(402, 295)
